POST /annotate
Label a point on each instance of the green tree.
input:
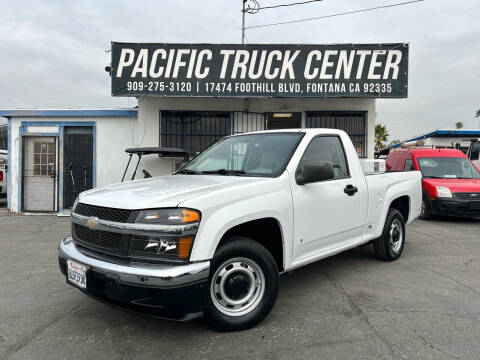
(393, 142)
(459, 125)
(478, 113)
(381, 135)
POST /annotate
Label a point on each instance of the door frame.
(63, 158)
(23, 153)
(34, 128)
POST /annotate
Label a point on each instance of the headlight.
(75, 203)
(155, 247)
(168, 247)
(174, 216)
(443, 191)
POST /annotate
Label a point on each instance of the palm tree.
(459, 125)
(381, 135)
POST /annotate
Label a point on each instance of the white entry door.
(39, 173)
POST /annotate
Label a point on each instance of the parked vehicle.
(214, 236)
(450, 182)
(3, 172)
(3, 181)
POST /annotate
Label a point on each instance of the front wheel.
(426, 211)
(243, 285)
(389, 245)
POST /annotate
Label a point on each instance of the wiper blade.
(190, 172)
(226, 172)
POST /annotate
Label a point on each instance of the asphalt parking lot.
(351, 306)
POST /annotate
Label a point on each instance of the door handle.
(350, 190)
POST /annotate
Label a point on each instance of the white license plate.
(77, 274)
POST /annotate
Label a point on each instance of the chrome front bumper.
(136, 273)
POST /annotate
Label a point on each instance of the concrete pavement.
(351, 306)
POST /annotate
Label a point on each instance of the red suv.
(451, 183)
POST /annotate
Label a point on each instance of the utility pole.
(243, 21)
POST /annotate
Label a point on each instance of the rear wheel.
(390, 245)
(243, 285)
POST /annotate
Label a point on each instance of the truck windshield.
(263, 155)
(448, 168)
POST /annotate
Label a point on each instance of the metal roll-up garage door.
(353, 123)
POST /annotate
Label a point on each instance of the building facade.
(194, 94)
(189, 96)
(55, 154)
(195, 123)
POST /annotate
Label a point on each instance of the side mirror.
(475, 151)
(314, 171)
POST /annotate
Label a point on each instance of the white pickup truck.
(213, 237)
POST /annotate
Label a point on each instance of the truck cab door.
(329, 213)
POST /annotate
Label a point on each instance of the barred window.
(193, 130)
(353, 123)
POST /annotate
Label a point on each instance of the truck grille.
(468, 196)
(109, 214)
(103, 239)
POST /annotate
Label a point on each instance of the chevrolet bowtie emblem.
(92, 223)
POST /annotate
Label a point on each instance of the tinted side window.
(409, 165)
(395, 162)
(327, 148)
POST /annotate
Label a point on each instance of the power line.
(291, 4)
(334, 15)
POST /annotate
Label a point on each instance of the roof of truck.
(311, 130)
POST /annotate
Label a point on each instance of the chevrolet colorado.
(213, 237)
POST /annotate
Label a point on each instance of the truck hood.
(162, 191)
(456, 185)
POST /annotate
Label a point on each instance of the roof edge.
(69, 112)
(440, 133)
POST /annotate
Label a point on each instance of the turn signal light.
(184, 247)
(190, 216)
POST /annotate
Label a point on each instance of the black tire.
(386, 248)
(261, 263)
(426, 212)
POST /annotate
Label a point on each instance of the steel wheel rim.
(396, 235)
(224, 281)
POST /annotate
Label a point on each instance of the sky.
(53, 52)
